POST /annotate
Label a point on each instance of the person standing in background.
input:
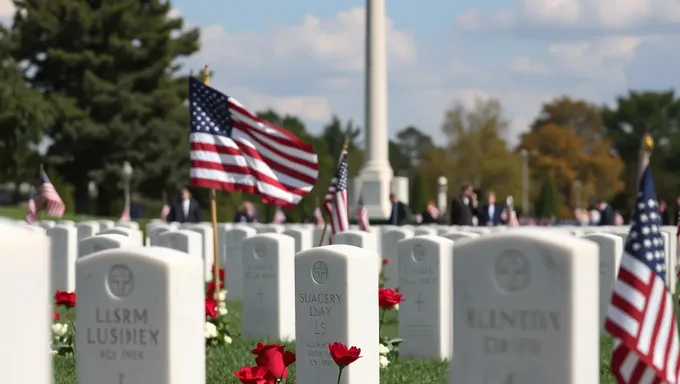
(185, 209)
(606, 214)
(247, 214)
(430, 215)
(490, 213)
(399, 211)
(461, 211)
(663, 210)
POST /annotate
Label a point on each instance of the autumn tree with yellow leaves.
(567, 144)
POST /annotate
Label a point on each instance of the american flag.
(279, 217)
(318, 216)
(234, 150)
(31, 212)
(335, 202)
(125, 216)
(165, 211)
(362, 215)
(49, 197)
(641, 317)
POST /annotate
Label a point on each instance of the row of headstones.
(519, 306)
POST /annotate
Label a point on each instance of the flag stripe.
(335, 202)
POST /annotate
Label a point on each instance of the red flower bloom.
(385, 261)
(210, 307)
(275, 358)
(67, 299)
(252, 375)
(342, 355)
(387, 298)
(221, 273)
(55, 316)
(211, 287)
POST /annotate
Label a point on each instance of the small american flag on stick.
(641, 317)
(335, 202)
(362, 215)
(31, 212)
(234, 150)
(48, 197)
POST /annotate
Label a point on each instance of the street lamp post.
(127, 176)
(92, 192)
(525, 180)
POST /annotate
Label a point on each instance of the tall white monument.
(376, 181)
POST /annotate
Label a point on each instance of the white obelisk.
(376, 175)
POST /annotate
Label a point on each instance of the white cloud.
(6, 8)
(619, 16)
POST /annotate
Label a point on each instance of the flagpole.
(213, 212)
(325, 223)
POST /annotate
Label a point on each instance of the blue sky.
(305, 57)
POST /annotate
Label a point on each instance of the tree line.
(102, 82)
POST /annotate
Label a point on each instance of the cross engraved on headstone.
(420, 301)
(320, 272)
(261, 294)
(121, 280)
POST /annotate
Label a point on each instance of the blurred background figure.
(665, 216)
(185, 209)
(594, 217)
(247, 214)
(490, 213)
(400, 211)
(606, 213)
(430, 215)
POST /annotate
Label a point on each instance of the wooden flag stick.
(325, 223)
(213, 213)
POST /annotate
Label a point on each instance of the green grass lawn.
(223, 361)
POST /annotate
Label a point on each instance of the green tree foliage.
(420, 193)
(635, 114)
(548, 201)
(24, 115)
(413, 144)
(109, 71)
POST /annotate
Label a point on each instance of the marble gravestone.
(610, 251)
(336, 299)
(135, 235)
(69, 223)
(183, 240)
(425, 268)
(64, 252)
(269, 228)
(101, 242)
(670, 247)
(302, 237)
(268, 274)
(361, 239)
(106, 224)
(25, 259)
(390, 251)
(459, 237)
(526, 309)
(233, 249)
(141, 317)
(208, 248)
(316, 236)
(47, 224)
(127, 224)
(154, 232)
(424, 231)
(87, 229)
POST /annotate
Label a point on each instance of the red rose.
(342, 355)
(210, 308)
(211, 287)
(221, 273)
(275, 358)
(55, 316)
(387, 298)
(67, 299)
(252, 375)
(385, 261)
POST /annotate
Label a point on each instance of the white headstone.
(47, 224)
(128, 224)
(233, 247)
(525, 309)
(106, 224)
(141, 317)
(64, 252)
(670, 244)
(25, 259)
(183, 240)
(208, 247)
(135, 235)
(459, 236)
(336, 299)
(316, 236)
(268, 274)
(302, 237)
(87, 229)
(101, 242)
(69, 223)
(425, 316)
(611, 249)
(424, 231)
(361, 239)
(154, 232)
(390, 251)
(269, 228)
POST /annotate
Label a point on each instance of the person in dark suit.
(606, 214)
(490, 213)
(665, 216)
(400, 211)
(461, 207)
(430, 215)
(185, 209)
